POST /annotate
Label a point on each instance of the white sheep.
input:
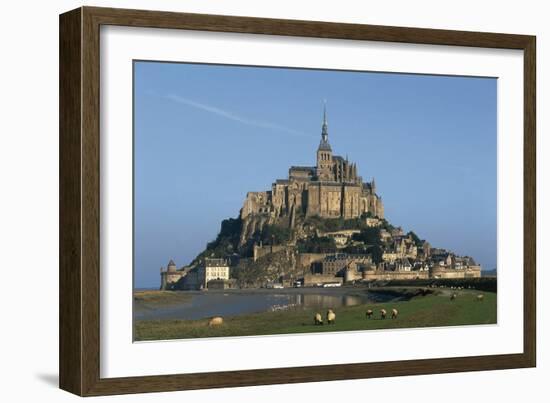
(318, 319)
(480, 297)
(331, 316)
(369, 313)
(383, 313)
(394, 313)
(215, 321)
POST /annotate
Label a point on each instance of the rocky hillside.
(269, 268)
(237, 237)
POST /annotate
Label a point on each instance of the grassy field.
(421, 311)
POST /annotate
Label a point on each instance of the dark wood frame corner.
(79, 200)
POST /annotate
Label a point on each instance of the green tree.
(226, 242)
(356, 249)
(386, 225)
(376, 253)
(417, 241)
(275, 234)
(368, 236)
(317, 244)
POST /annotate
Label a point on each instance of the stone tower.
(324, 153)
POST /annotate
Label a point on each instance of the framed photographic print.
(249, 201)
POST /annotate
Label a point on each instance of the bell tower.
(324, 152)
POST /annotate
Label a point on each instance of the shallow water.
(226, 303)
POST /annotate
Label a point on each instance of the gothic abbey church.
(331, 189)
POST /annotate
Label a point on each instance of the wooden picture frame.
(80, 199)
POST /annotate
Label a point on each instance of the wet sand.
(227, 303)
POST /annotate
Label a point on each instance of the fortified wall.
(260, 251)
(305, 260)
(470, 272)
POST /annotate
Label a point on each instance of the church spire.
(324, 133)
(324, 145)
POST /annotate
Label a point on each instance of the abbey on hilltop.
(322, 225)
(331, 189)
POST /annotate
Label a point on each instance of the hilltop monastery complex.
(332, 189)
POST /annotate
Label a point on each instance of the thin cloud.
(232, 116)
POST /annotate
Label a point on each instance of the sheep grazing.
(453, 296)
(215, 321)
(480, 297)
(318, 319)
(394, 313)
(331, 317)
(369, 314)
(383, 314)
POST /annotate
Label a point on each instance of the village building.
(213, 269)
(401, 247)
(342, 237)
(212, 272)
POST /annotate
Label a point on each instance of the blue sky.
(204, 135)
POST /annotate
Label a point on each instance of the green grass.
(431, 310)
